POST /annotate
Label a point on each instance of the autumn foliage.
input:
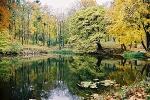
(4, 15)
(129, 22)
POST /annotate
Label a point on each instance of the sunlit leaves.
(31, 23)
(128, 20)
(86, 26)
(4, 40)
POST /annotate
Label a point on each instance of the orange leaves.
(4, 17)
(3, 2)
(13, 6)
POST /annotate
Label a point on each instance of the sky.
(56, 4)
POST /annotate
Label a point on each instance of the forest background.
(85, 27)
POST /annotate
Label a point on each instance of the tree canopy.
(26, 23)
(87, 26)
(4, 15)
(128, 21)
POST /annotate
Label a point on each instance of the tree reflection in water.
(57, 77)
(37, 79)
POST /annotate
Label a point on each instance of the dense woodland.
(85, 26)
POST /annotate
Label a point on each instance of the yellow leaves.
(4, 40)
(145, 21)
(144, 7)
(144, 10)
(127, 20)
(87, 3)
(35, 6)
(33, 29)
(123, 67)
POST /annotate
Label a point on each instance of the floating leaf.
(85, 84)
(108, 82)
(93, 85)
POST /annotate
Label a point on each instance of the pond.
(71, 77)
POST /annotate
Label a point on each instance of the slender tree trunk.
(114, 39)
(123, 47)
(130, 45)
(142, 42)
(22, 34)
(28, 29)
(123, 61)
(147, 40)
(36, 37)
(43, 38)
(59, 36)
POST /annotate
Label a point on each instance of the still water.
(59, 77)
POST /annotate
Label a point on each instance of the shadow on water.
(57, 77)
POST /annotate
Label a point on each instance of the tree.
(4, 15)
(130, 22)
(81, 4)
(4, 41)
(48, 25)
(146, 22)
(87, 3)
(87, 26)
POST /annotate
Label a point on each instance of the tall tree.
(87, 26)
(130, 22)
(146, 22)
(4, 15)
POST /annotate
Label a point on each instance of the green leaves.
(4, 40)
(16, 47)
(87, 25)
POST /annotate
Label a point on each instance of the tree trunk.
(147, 40)
(36, 37)
(99, 46)
(123, 47)
(146, 27)
(143, 45)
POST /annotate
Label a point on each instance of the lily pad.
(85, 84)
(96, 79)
(93, 85)
(108, 82)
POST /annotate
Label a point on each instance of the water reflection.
(40, 79)
(57, 78)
